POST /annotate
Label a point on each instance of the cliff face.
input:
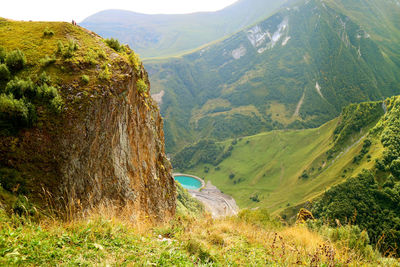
(107, 144)
(114, 152)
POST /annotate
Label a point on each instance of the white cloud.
(56, 10)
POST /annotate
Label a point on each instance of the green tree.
(395, 168)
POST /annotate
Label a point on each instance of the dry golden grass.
(108, 235)
(232, 241)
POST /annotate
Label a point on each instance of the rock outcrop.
(303, 216)
(115, 152)
(106, 147)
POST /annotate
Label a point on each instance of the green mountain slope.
(297, 69)
(279, 169)
(161, 35)
(347, 170)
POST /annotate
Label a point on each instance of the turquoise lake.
(188, 182)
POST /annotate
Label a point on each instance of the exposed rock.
(115, 152)
(284, 42)
(158, 97)
(105, 148)
(299, 105)
(239, 52)
(303, 216)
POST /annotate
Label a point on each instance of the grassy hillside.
(253, 238)
(297, 69)
(162, 35)
(281, 169)
(371, 199)
(347, 171)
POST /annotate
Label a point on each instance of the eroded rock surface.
(114, 153)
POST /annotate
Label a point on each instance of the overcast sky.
(66, 10)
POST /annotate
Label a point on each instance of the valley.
(265, 170)
(296, 69)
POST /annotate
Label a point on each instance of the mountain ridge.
(296, 69)
(165, 34)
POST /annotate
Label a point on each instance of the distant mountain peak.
(169, 34)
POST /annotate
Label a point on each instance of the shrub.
(44, 78)
(48, 33)
(69, 49)
(114, 44)
(141, 86)
(3, 54)
(304, 175)
(16, 60)
(255, 198)
(85, 79)
(361, 201)
(135, 61)
(4, 73)
(101, 54)
(20, 88)
(57, 103)
(47, 92)
(60, 47)
(91, 58)
(46, 61)
(105, 74)
(13, 110)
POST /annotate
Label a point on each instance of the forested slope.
(297, 69)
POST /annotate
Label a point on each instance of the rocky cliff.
(106, 146)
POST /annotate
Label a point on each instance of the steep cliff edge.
(106, 143)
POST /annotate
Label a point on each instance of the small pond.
(188, 182)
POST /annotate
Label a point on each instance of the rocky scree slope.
(105, 145)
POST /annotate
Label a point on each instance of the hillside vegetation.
(281, 169)
(253, 238)
(165, 35)
(36, 59)
(371, 199)
(296, 69)
(346, 171)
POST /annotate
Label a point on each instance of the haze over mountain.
(296, 69)
(162, 35)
